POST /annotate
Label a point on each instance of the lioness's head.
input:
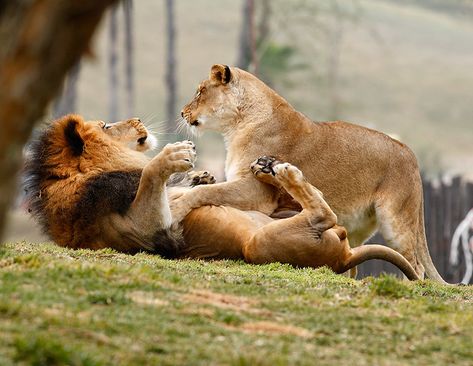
(216, 101)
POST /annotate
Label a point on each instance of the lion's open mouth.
(195, 123)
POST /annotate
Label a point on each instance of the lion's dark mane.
(103, 194)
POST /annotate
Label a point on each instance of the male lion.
(370, 180)
(90, 188)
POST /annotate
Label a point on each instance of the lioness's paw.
(200, 178)
(178, 157)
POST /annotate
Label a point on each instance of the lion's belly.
(219, 232)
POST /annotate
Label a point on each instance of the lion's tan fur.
(90, 189)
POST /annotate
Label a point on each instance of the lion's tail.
(376, 251)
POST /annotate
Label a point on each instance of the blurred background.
(403, 67)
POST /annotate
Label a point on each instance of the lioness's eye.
(200, 91)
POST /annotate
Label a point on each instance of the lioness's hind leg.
(400, 232)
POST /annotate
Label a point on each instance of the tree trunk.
(129, 54)
(67, 101)
(41, 41)
(247, 49)
(171, 85)
(263, 27)
(113, 65)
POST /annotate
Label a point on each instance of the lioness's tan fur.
(370, 180)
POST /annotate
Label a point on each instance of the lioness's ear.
(220, 74)
(73, 139)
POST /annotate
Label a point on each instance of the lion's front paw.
(200, 178)
(177, 157)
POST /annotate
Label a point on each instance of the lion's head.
(68, 155)
(131, 133)
(71, 145)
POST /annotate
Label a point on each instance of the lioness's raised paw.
(176, 157)
(200, 178)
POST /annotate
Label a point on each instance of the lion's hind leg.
(305, 239)
(291, 179)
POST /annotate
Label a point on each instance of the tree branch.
(41, 40)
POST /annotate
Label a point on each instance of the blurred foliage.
(277, 62)
(461, 8)
(305, 36)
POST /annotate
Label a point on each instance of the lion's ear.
(73, 138)
(220, 74)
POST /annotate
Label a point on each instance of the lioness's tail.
(375, 251)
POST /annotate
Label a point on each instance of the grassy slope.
(81, 307)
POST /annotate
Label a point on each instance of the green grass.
(64, 307)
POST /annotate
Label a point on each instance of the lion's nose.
(182, 114)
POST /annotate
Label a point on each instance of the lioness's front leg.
(149, 212)
(200, 178)
(245, 194)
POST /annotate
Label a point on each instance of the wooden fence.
(445, 205)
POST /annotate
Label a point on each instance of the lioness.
(90, 188)
(370, 180)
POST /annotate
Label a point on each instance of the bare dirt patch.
(146, 298)
(268, 327)
(224, 301)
